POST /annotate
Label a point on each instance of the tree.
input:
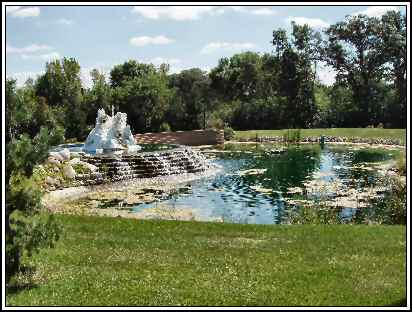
(142, 92)
(130, 70)
(393, 44)
(353, 51)
(27, 229)
(296, 56)
(192, 100)
(99, 96)
(61, 87)
(238, 77)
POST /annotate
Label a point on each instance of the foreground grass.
(342, 132)
(113, 261)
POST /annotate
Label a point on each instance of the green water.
(256, 183)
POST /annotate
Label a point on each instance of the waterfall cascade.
(142, 165)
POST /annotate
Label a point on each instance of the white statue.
(110, 133)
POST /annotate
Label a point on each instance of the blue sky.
(189, 36)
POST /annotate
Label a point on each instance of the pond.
(264, 184)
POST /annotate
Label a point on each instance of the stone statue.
(110, 133)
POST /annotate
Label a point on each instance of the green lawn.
(113, 261)
(343, 132)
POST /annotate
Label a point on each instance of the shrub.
(164, 127)
(401, 164)
(292, 136)
(27, 229)
(80, 168)
(228, 133)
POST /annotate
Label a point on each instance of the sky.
(183, 36)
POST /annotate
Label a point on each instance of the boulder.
(52, 160)
(91, 167)
(52, 181)
(75, 161)
(56, 155)
(68, 171)
(65, 154)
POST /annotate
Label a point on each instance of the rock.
(91, 167)
(252, 172)
(295, 190)
(75, 161)
(56, 155)
(65, 154)
(260, 189)
(52, 181)
(52, 160)
(68, 171)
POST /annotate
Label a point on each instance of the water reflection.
(259, 196)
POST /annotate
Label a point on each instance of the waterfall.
(145, 165)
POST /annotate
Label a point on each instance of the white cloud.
(326, 74)
(263, 11)
(160, 60)
(255, 11)
(64, 21)
(44, 57)
(312, 22)
(377, 11)
(226, 46)
(22, 12)
(21, 77)
(146, 40)
(178, 13)
(29, 49)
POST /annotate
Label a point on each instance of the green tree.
(142, 93)
(192, 99)
(353, 51)
(238, 77)
(297, 57)
(27, 229)
(98, 96)
(61, 87)
(393, 44)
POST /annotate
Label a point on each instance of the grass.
(101, 261)
(342, 132)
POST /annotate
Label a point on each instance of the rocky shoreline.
(327, 139)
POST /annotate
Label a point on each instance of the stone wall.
(191, 138)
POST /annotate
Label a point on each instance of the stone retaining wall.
(191, 138)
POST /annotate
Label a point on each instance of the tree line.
(246, 91)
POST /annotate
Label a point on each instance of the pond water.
(261, 185)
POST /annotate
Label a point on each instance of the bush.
(228, 133)
(292, 136)
(401, 164)
(164, 127)
(27, 230)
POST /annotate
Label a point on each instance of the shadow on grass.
(400, 303)
(14, 289)
(22, 281)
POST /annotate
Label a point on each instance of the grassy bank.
(113, 261)
(341, 132)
